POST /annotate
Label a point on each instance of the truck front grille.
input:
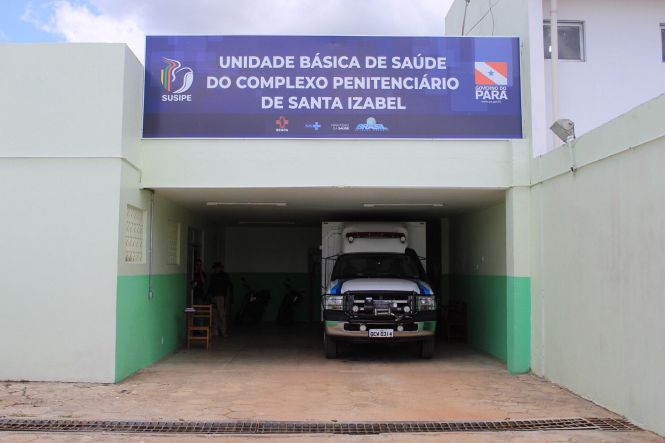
(380, 304)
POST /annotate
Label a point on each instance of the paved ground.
(282, 375)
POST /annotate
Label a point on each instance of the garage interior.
(268, 240)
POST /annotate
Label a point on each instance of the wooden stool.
(199, 325)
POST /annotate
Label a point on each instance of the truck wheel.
(330, 346)
(427, 348)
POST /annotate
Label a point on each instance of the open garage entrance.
(269, 241)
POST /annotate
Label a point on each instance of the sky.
(128, 21)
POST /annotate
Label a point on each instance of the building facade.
(560, 271)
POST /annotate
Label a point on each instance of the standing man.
(198, 283)
(221, 293)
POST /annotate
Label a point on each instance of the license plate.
(380, 333)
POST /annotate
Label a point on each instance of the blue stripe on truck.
(337, 289)
(424, 290)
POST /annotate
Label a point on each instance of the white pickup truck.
(375, 284)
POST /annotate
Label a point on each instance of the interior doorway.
(194, 253)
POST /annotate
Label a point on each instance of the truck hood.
(379, 284)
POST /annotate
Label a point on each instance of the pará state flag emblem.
(492, 73)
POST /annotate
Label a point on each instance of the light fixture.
(245, 204)
(266, 223)
(564, 129)
(376, 205)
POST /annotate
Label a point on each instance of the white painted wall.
(517, 224)
(478, 242)
(623, 66)
(324, 163)
(60, 171)
(132, 108)
(597, 266)
(58, 255)
(61, 100)
(269, 249)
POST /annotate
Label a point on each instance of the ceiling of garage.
(313, 205)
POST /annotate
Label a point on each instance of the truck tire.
(427, 348)
(330, 346)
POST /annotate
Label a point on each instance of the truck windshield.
(369, 265)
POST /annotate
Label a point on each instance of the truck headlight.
(333, 302)
(426, 303)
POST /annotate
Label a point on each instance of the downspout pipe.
(151, 224)
(554, 43)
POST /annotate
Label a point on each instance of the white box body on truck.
(375, 284)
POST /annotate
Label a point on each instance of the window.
(134, 235)
(369, 265)
(571, 40)
(173, 243)
(662, 39)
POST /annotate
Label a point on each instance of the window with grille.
(134, 235)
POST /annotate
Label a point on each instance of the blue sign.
(332, 87)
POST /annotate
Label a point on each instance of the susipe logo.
(491, 81)
(177, 80)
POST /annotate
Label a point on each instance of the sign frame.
(352, 132)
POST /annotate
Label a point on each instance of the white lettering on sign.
(177, 98)
(491, 93)
(315, 103)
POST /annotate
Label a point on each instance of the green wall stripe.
(485, 297)
(499, 316)
(428, 326)
(519, 324)
(147, 330)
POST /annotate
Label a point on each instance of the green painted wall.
(274, 282)
(519, 324)
(427, 326)
(147, 330)
(499, 316)
(485, 297)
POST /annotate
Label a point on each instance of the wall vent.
(134, 235)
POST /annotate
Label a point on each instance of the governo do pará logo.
(176, 79)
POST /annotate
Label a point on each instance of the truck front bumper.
(337, 329)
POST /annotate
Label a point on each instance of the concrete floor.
(277, 374)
